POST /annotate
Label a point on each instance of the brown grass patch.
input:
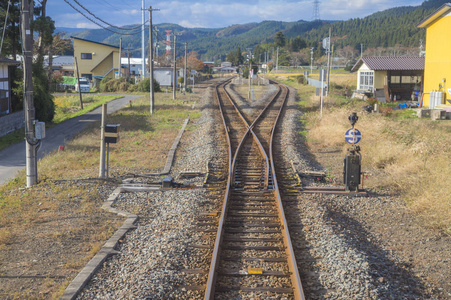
(408, 157)
(55, 227)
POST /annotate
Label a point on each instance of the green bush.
(144, 86)
(113, 85)
(301, 79)
(43, 99)
(132, 88)
(103, 84)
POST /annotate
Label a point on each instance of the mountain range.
(396, 26)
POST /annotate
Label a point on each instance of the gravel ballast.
(349, 247)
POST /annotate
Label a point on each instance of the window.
(366, 80)
(86, 56)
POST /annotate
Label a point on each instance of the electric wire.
(111, 25)
(115, 8)
(100, 25)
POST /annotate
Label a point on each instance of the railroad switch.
(166, 183)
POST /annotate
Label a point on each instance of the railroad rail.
(253, 256)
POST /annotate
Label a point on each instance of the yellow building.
(95, 59)
(437, 73)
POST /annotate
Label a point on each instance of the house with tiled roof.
(437, 73)
(61, 64)
(390, 78)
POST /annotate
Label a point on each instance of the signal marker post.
(352, 162)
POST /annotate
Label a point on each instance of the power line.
(115, 8)
(92, 14)
(100, 25)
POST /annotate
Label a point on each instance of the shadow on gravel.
(392, 279)
(311, 282)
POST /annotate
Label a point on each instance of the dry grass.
(407, 157)
(58, 225)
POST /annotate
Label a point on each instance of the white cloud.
(130, 12)
(87, 25)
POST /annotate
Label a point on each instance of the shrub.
(301, 79)
(144, 86)
(103, 84)
(43, 99)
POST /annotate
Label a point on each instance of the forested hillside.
(389, 28)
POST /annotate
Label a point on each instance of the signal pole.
(30, 141)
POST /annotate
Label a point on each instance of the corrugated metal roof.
(391, 63)
(60, 60)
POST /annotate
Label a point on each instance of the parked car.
(84, 85)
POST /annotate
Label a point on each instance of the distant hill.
(396, 26)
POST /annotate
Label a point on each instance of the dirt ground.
(424, 252)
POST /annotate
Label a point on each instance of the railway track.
(253, 256)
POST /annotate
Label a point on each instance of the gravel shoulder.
(352, 247)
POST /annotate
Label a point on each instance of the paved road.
(12, 159)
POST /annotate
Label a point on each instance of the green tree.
(11, 42)
(279, 39)
(297, 44)
(43, 99)
(239, 59)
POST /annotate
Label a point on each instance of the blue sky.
(213, 13)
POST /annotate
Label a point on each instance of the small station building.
(390, 78)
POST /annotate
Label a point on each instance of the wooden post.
(78, 82)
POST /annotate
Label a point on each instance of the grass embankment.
(401, 154)
(66, 107)
(49, 232)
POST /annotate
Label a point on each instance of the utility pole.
(151, 91)
(361, 50)
(277, 61)
(311, 60)
(175, 68)
(156, 42)
(30, 140)
(78, 83)
(143, 45)
(128, 56)
(250, 67)
(119, 73)
(186, 62)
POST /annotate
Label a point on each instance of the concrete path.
(12, 159)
